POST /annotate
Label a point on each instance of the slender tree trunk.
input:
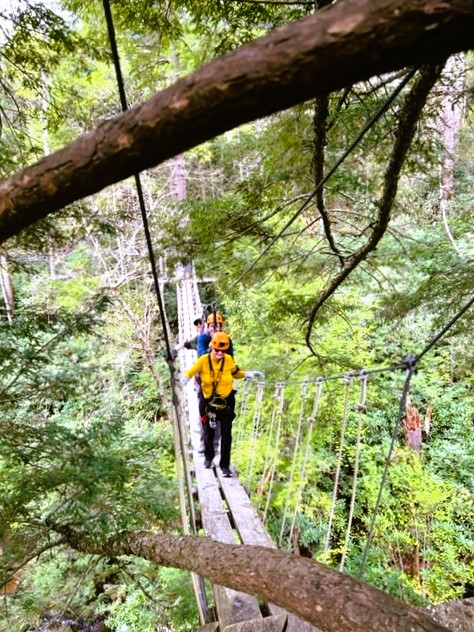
(451, 119)
(7, 288)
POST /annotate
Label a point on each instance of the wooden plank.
(247, 521)
(252, 531)
(213, 512)
(231, 606)
(269, 624)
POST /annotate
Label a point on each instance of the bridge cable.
(151, 256)
(255, 429)
(304, 398)
(361, 408)
(243, 409)
(309, 436)
(396, 427)
(276, 398)
(274, 427)
(276, 452)
(345, 416)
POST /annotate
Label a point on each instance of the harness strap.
(219, 373)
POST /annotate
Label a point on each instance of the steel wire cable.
(169, 355)
(274, 459)
(309, 436)
(395, 431)
(360, 409)
(255, 428)
(277, 395)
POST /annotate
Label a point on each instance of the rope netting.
(299, 448)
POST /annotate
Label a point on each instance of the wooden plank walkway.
(226, 512)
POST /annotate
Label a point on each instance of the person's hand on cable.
(250, 375)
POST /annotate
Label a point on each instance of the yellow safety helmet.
(220, 341)
(217, 317)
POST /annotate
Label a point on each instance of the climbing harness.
(216, 402)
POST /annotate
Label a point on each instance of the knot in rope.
(409, 362)
(348, 377)
(364, 376)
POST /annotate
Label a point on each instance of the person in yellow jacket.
(218, 370)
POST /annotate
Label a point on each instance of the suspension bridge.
(292, 440)
(270, 466)
(223, 510)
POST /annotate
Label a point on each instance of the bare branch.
(407, 121)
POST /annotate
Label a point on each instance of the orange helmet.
(217, 317)
(220, 341)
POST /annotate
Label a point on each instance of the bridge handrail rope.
(275, 455)
(304, 398)
(185, 441)
(345, 416)
(309, 436)
(361, 409)
(340, 376)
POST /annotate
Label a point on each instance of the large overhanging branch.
(339, 45)
(330, 600)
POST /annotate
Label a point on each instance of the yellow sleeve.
(196, 368)
(237, 373)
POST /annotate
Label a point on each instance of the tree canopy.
(313, 163)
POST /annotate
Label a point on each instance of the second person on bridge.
(218, 370)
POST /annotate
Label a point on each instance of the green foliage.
(84, 439)
(171, 606)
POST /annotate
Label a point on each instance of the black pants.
(225, 417)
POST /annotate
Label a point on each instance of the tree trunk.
(7, 288)
(338, 45)
(451, 119)
(322, 596)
